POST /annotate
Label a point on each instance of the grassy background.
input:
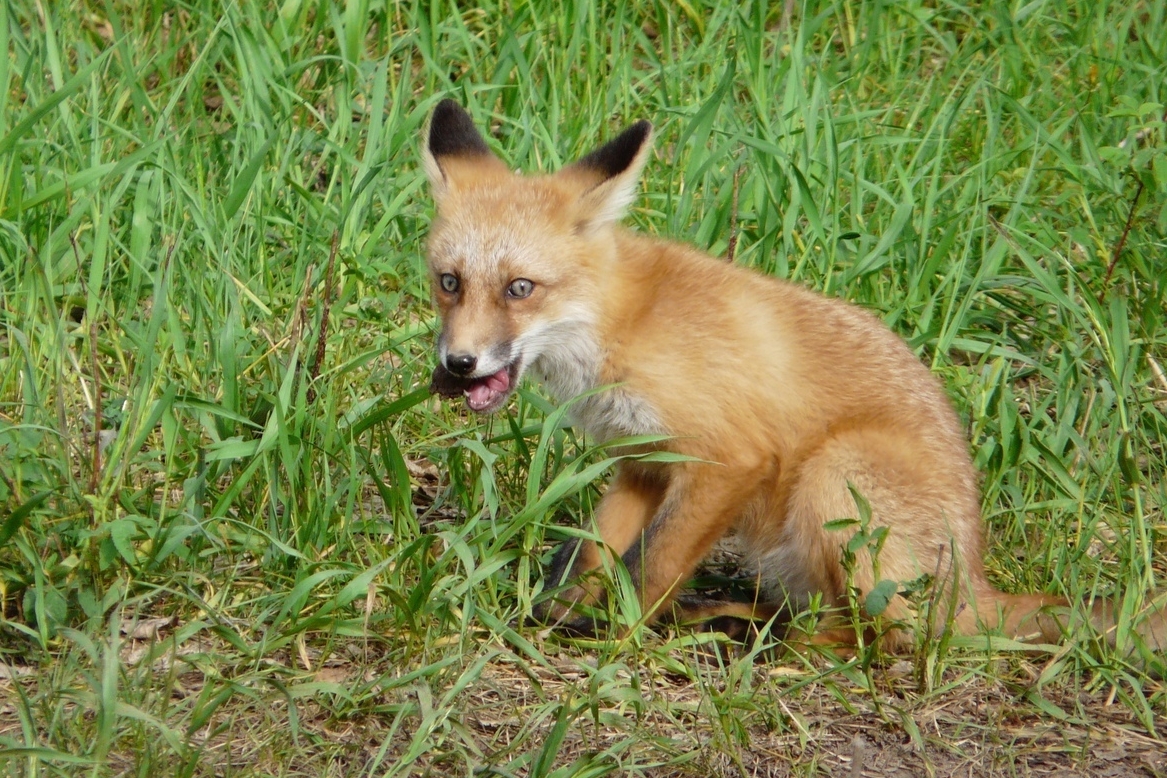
(237, 537)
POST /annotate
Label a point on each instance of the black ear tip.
(448, 109)
(634, 136)
(642, 129)
(452, 131)
(616, 155)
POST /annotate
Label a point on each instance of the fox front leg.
(697, 507)
(702, 503)
(634, 496)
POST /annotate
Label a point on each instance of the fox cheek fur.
(781, 403)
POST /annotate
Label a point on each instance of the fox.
(783, 404)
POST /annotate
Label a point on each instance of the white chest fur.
(615, 413)
(568, 366)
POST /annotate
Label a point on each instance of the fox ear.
(450, 135)
(610, 174)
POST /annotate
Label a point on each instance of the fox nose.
(461, 364)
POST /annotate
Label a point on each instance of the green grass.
(221, 556)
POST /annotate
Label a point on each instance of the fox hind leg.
(932, 521)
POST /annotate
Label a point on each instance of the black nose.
(461, 364)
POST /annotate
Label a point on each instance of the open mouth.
(483, 394)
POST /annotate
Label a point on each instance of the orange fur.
(783, 398)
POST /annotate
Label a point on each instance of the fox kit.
(783, 402)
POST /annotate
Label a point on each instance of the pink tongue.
(485, 391)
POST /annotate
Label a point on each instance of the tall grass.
(237, 537)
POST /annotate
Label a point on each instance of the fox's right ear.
(610, 175)
(451, 137)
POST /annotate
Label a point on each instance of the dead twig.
(731, 247)
(318, 360)
(1130, 218)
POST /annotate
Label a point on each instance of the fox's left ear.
(610, 175)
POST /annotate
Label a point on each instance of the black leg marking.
(564, 567)
(563, 563)
(639, 555)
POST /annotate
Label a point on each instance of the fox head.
(518, 263)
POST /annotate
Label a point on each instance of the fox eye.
(449, 282)
(520, 288)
